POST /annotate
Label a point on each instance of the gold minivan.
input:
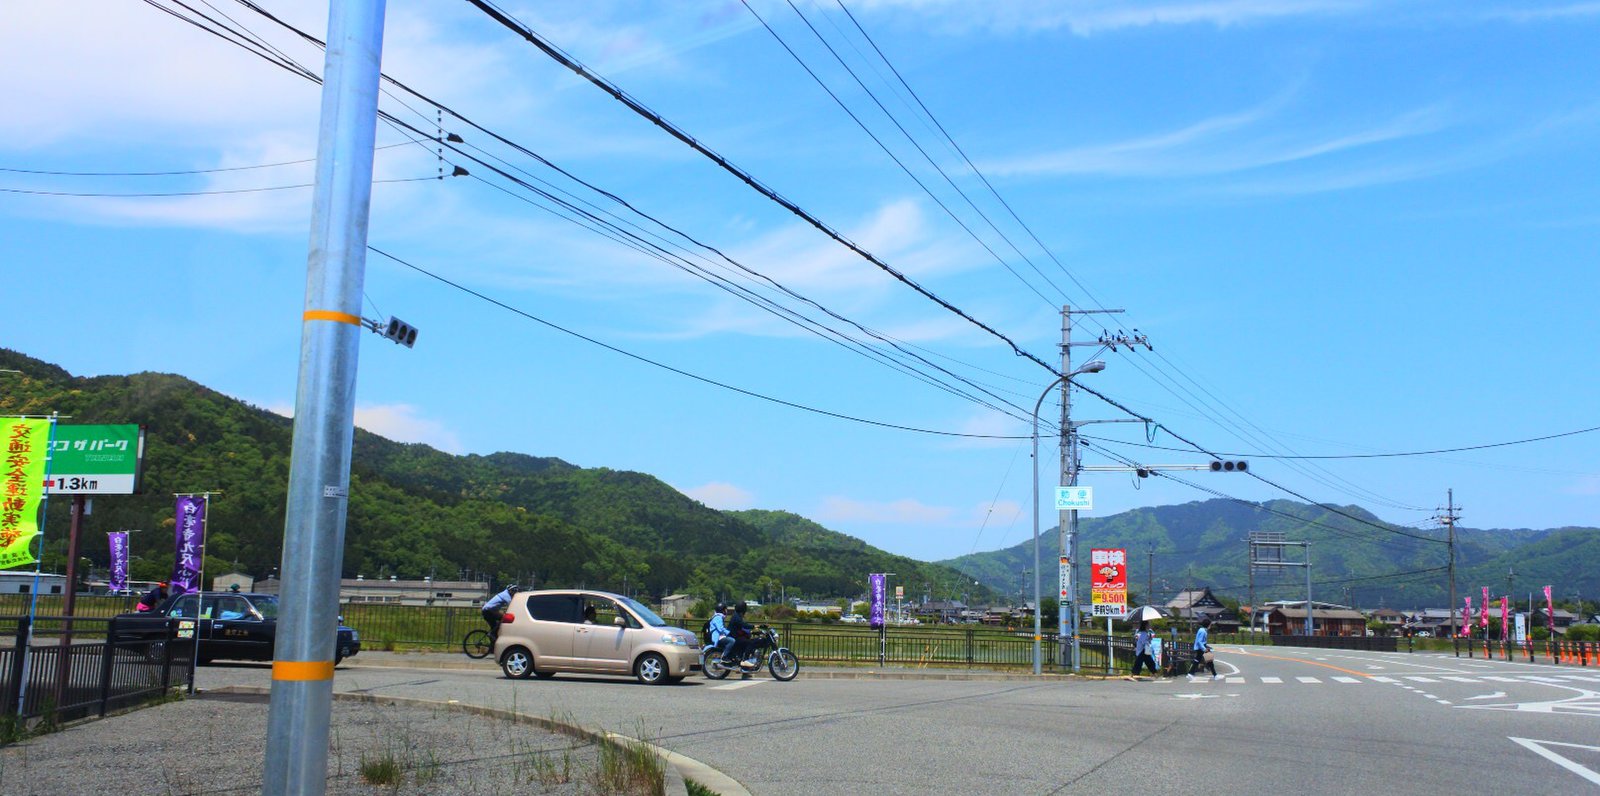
(574, 630)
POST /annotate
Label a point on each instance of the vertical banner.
(1483, 613)
(191, 542)
(1505, 619)
(119, 561)
(1550, 609)
(1108, 581)
(1466, 619)
(877, 584)
(877, 587)
(26, 444)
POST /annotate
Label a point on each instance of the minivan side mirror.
(620, 621)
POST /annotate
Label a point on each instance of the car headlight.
(677, 641)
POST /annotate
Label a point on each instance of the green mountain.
(1171, 548)
(416, 511)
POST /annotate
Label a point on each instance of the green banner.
(95, 460)
(27, 443)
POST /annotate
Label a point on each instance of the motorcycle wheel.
(711, 666)
(783, 665)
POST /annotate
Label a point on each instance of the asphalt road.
(1284, 720)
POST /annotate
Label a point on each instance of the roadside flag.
(27, 444)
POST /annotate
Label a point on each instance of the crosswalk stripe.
(1499, 679)
(1384, 680)
(1346, 680)
(1234, 680)
(1461, 679)
(1271, 680)
(738, 685)
(1420, 679)
(1308, 679)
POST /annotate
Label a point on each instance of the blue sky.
(1346, 227)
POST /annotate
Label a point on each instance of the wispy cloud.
(405, 423)
(1090, 17)
(842, 509)
(1222, 144)
(722, 495)
(1546, 13)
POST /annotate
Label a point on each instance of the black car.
(229, 625)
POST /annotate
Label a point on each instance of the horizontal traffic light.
(1230, 466)
(401, 332)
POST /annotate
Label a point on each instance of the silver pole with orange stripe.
(319, 466)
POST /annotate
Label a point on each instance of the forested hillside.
(417, 511)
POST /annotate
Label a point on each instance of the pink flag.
(1551, 608)
(1505, 629)
(1466, 617)
(1483, 612)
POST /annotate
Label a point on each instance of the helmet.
(722, 607)
(742, 607)
(514, 589)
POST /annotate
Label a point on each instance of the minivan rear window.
(554, 607)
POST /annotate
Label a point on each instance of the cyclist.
(494, 611)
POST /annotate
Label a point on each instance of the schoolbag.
(705, 633)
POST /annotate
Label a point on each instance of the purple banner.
(880, 597)
(191, 540)
(119, 561)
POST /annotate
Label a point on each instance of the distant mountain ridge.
(415, 511)
(1203, 544)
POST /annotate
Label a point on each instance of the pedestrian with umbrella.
(1144, 639)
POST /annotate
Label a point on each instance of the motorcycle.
(763, 647)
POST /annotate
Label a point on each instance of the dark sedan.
(229, 625)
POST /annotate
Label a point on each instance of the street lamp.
(1092, 366)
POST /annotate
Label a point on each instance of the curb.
(679, 766)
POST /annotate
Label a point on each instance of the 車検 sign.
(1108, 581)
(95, 460)
(1075, 498)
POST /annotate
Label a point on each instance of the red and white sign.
(1108, 581)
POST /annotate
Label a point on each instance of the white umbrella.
(1144, 613)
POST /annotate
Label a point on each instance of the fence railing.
(1574, 653)
(66, 668)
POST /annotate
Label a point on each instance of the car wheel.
(517, 663)
(651, 669)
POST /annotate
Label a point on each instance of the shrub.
(1583, 633)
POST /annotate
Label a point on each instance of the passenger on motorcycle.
(494, 611)
(721, 639)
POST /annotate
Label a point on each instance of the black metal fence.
(65, 668)
(1366, 643)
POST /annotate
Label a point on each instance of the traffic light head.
(1230, 466)
(401, 332)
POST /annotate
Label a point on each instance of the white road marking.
(1419, 679)
(1308, 679)
(1384, 680)
(1460, 679)
(1234, 681)
(1539, 748)
(1271, 680)
(738, 685)
(1442, 701)
(1495, 695)
(1346, 680)
(1501, 679)
(1195, 696)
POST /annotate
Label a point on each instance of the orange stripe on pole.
(302, 670)
(330, 315)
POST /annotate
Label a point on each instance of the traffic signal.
(404, 333)
(1229, 467)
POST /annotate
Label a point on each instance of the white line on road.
(1346, 679)
(738, 685)
(1495, 695)
(1419, 679)
(1460, 679)
(1308, 679)
(1271, 679)
(1384, 680)
(1538, 748)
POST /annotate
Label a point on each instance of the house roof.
(1194, 598)
(1321, 613)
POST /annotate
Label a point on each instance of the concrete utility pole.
(319, 465)
(1067, 519)
(1451, 515)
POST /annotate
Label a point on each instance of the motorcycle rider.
(740, 629)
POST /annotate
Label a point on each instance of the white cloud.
(1557, 12)
(721, 495)
(403, 423)
(841, 509)
(1089, 17)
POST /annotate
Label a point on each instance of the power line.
(703, 379)
(1375, 455)
(527, 33)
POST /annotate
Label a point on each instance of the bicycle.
(477, 644)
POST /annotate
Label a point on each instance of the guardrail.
(64, 668)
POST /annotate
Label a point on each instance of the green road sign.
(95, 460)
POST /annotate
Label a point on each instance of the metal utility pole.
(319, 465)
(1451, 515)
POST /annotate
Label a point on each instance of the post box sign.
(1108, 581)
(95, 460)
